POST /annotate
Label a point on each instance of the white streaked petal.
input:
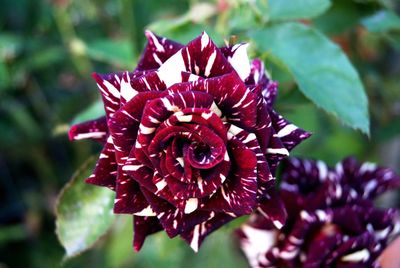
(191, 205)
(146, 212)
(240, 61)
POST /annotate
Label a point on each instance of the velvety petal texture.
(191, 139)
(332, 220)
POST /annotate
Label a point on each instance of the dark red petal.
(110, 87)
(237, 57)
(232, 97)
(105, 172)
(288, 133)
(94, 129)
(275, 152)
(123, 127)
(200, 57)
(273, 209)
(195, 236)
(173, 220)
(129, 198)
(264, 176)
(143, 227)
(263, 130)
(158, 110)
(156, 52)
(238, 193)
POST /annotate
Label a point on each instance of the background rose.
(332, 220)
(191, 139)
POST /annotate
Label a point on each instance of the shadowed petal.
(143, 227)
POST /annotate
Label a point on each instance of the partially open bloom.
(332, 221)
(191, 140)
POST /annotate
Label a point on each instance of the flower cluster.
(191, 139)
(332, 221)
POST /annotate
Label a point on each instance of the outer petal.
(285, 136)
(144, 226)
(94, 129)
(289, 134)
(124, 127)
(105, 172)
(173, 220)
(156, 52)
(196, 236)
(237, 57)
(110, 87)
(200, 57)
(273, 209)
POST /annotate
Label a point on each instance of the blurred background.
(49, 48)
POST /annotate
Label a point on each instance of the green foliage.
(118, 53)
(84, 212)
(382, 21)
(321, 69)
(95, 110)
(296, 9)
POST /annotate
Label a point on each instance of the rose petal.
(105, 172)
(289, 134)
(94, 129)
(237, 57)
(240, 108)
(200, 57)
(129, 198)
(238, 193)
(156, 52)
(196, 236)
(173, 220)
(110, 87)
(143, 227)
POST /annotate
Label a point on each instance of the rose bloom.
(332, 220)
(191, 139)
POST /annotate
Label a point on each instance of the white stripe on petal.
(146, 212)
(240, 61)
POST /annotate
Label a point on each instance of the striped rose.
(191, 140)
(332, 220)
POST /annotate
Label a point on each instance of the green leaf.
(117, 52)
(296, 9)
(84, 212)
(382, 21)
(321, 69)
(342, 16)
(92, 112)
(197, 14)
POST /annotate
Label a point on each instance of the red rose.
(191, 139)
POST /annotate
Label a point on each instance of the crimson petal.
(143, 227)
(156, 52)
(94, 129)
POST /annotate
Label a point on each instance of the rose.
(332, 221)
(192, 140)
